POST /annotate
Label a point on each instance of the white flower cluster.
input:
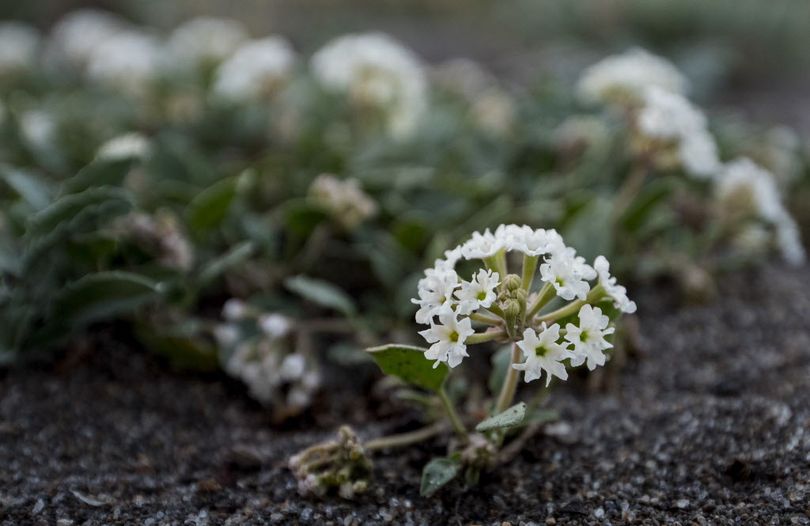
(128, 61)
(19, 44)
(258, 353)
(450, 305)
(204, 42)
(626, 77)
(376, 72)
(257, 69)
(745, 190)
(80, 34)
(670, 118)
(344, 200)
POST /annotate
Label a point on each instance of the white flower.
(543, 353)
(38, 128)
(698, 154)
(628, 75)
(79, 34)
(255, 70)
(568, 273)
(204, 41)
(435, 292)
(128, 146)
(19, 44)
(482, 246)
(129, 62)
(226, 335)
(670, 118)
(667, 115)
(345, 200)
(788, 239)
(480, 292)
(292, 367)
(274, 325)
(234, 310)
(375, 71)
(447, 338)
(538, 242)
(744, 187)
(588, 338)
(616, 292)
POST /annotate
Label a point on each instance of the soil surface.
(710, 426)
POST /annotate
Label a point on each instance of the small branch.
(405, 439)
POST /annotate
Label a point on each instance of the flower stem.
(455, 420)
(405, 439)
(483, 318)
(481, 337)
(509, 387)
(562, 312)
(529, 268)
(543, 297)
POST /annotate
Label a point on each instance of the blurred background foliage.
(228, 204)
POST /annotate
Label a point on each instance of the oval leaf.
(511, 417)
(408, 363)
(321, 293)
(436, 474)
(66, 208)
(210, 207)
(102, 295)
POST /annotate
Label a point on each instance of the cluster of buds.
(340, 465)
(259, 349)
(344, 200)
(508, 308)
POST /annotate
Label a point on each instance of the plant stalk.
(405, 439)
(507, 394)
(455, 420)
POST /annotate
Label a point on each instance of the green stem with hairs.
(509, 387)
(483, 318)
(545, 295)
(455, 420)
(405, 439)
(481, 337)
(529, 268)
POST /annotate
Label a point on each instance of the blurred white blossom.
(129, 62)
(376, 72)
(204, 42)
(625, 77)
(79, 34)
(19, 45)
(257, 69)
(345, 200)
(131, 145)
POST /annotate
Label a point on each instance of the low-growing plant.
(564, 317)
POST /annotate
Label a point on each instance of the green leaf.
(321, 293)
(183, 345)
(31, 189)
(101, 172)
(222, 264)
(437, 473)
(409, 364)
(542, 416)
(511, 417)
(210, 207)
(103, 295)
(66, 208)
